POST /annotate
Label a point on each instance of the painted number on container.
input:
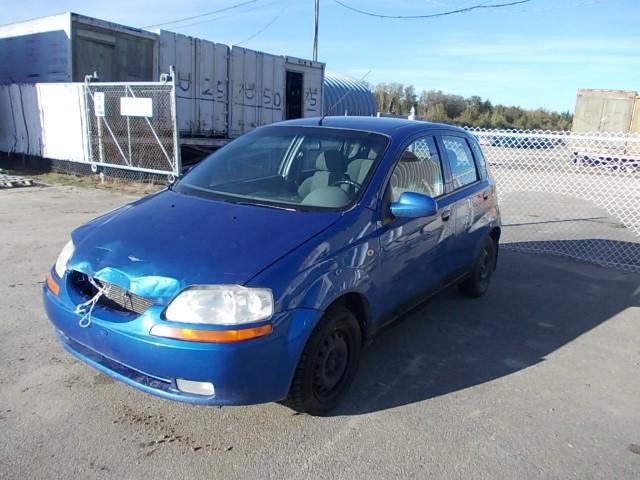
(220, 93)
(207, 91)
(271, 100)
(311, 96)
(248, 89)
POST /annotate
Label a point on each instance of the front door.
(414, 249)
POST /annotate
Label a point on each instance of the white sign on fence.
(136, 107)
(98, 104)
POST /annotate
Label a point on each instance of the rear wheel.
(478, 281)
(328, 363)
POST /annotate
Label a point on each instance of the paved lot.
(539, 379)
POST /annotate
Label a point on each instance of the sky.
(532, 55)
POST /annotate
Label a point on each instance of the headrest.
(408, 156)
(332, 161)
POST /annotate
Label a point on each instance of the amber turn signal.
(53, 286)
(212, 336)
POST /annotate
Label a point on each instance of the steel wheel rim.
(485, 266)
(331, 364)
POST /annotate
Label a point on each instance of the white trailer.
(616, 112)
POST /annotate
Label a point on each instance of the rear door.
(469, 193)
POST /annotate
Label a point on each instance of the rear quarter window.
(480, 160)
(461, 162)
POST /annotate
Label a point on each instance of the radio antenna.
(348, 92)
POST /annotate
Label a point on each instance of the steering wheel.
(355, 185)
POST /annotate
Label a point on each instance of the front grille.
(115, 297)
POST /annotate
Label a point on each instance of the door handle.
(446, 215)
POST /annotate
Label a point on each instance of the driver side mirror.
(414, 205)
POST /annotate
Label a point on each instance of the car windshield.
(290, 167)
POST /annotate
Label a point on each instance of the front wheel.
(327, 364)
(478, 281)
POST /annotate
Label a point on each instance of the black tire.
(478, 281)
(328, 363)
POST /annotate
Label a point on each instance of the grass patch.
(87, 181)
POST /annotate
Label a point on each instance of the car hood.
(161, 244)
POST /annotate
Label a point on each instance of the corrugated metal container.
(64, 48)
(604, 111)
(36, 50)
(116, 52)
(201, 69)
(257, 90)
(46, 120)
(268, 88)
(346, 96)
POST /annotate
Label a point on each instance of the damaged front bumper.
(247, 372)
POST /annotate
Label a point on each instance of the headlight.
(221, 305)
(63, 258)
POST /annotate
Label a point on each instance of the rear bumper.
(253, 371)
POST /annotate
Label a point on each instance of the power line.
(271, 22)
(220, 10)
(228, 15)
(433, 15)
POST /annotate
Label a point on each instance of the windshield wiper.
(265, 205)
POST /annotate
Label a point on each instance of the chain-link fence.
(131, 129)
(569, 194)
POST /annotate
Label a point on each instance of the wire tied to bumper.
(86, 309)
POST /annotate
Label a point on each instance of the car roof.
(383, 125)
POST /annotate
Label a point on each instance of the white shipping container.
(257, 90)
(44, 120)
(66, 47)
(268, 88)
(201, 69)
(37, 50)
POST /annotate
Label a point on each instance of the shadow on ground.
(536, 305)
(600, 251)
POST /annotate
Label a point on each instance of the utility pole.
(316, 12)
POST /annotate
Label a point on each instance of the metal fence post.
(174, 120)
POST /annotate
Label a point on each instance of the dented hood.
(157, 246)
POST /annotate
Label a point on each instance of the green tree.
(437, 106)
(409, 99)
(437, 113)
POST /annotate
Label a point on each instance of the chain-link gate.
(569, 194)
(132, 126)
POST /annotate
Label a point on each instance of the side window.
(480, 160)
(418, 170)
(463, 168)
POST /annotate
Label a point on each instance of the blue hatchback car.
(260, 274)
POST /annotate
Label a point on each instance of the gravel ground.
(538, 379)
